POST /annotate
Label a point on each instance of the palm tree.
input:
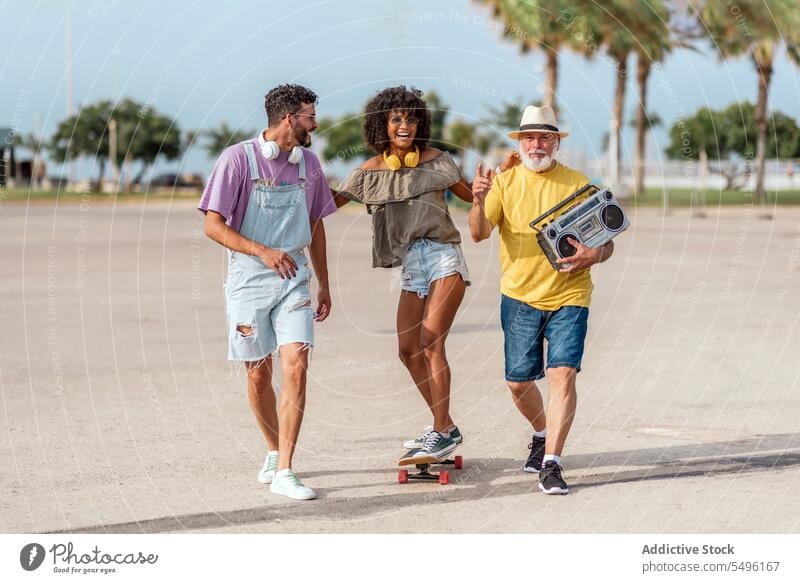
(653, 45)
(546, 25)
(758, 29)
(614, 24)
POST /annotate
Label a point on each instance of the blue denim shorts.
(525, 329)
(264, 311)
(426, 260)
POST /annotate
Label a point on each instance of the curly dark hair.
(285, 99)
(393, 99)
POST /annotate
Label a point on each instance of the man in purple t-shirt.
(264, 202)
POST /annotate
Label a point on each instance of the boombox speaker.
(593, 222)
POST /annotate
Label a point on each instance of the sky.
(205, 62)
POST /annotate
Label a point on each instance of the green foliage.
(439, 111)
(143, 134)
(754, 27)
(461, 134)
(732, 131)
(344, 138)
(652, 120)
(485, 141)
(154, 135)
(783, 135)
(83, 134)
(218, 138)
(690, 136)
(507, 116)
(682, 197)
(758, 29)
(539, 23)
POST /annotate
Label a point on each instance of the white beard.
(533, 164)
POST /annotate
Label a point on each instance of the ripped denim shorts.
(426, 260)
(265, 311)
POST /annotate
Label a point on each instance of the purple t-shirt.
(229, 186)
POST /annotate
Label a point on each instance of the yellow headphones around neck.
(410, 160)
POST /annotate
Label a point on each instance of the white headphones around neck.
(270, 151)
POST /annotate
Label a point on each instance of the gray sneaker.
(436, 446)
(455, 434)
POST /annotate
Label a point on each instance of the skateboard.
(423, 464)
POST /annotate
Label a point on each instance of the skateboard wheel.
(458, 462)
(444, 478)
(402, 476)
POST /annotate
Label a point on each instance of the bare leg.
(262, 399)
(528, 400)
(410, 311)
(294, 364)
(562, 402)
(441, 306)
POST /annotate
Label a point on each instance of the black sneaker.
(534, 463)
(550, 481)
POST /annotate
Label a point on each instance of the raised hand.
(512, 159)
(481, 183)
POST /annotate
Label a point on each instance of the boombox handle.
(562, 204)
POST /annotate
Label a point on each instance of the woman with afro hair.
(403, 187)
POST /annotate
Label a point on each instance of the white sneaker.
(267, 473)
(287, 484)
(418, 441)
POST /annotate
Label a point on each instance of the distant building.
(7, 161)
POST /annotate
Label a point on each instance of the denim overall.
(263, 310)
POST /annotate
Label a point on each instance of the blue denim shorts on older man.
(525, 329)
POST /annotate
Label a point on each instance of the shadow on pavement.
(756, 454)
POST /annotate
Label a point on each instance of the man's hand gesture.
(482, 183)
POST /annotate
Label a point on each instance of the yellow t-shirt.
(516, 198)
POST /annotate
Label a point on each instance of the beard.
(303, 137)
(536, 165)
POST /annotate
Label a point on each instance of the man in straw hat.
(537, 302)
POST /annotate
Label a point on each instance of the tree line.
(650, 31)
(616, 30)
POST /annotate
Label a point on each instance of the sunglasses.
(397, 120)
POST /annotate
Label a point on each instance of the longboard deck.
(423, 464)
(413, 461)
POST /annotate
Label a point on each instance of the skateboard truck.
(443, 477)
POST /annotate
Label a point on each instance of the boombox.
(593, 222)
